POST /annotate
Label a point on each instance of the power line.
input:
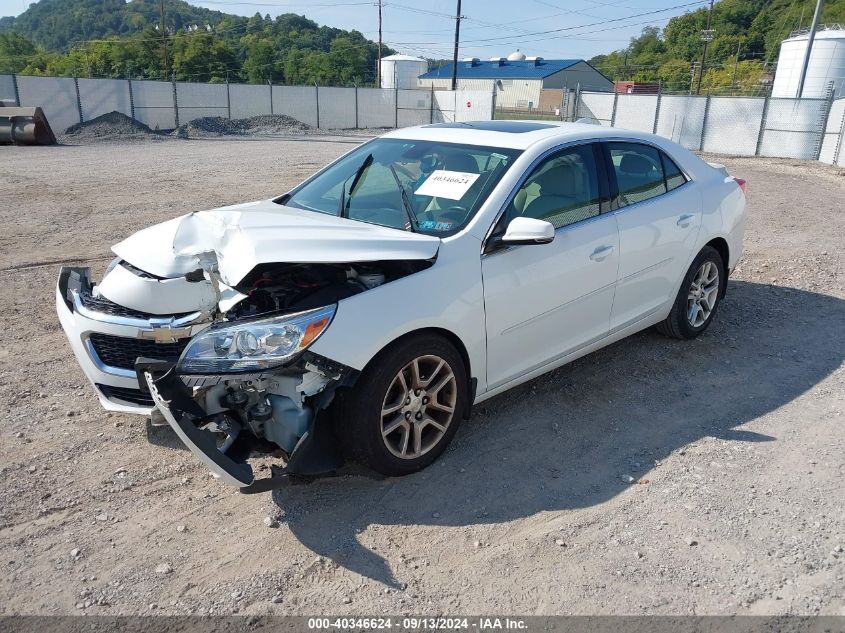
(581, 26)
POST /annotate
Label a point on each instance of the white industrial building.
(401, 71)
(518, 79)
(827, 64)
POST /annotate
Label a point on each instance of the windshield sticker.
(431, 225)
(451, 185)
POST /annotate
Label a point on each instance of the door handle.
(684, 220)
(601, 253)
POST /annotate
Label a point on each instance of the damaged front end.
(224, 420)
(234, 378)
(198, 323)
(249, 385)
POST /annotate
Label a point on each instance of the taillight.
(741, 184)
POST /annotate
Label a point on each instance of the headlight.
(254, 345)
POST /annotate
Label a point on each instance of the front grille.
(103, 305)
(125, 394)
(122, 352)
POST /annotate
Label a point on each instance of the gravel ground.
(654, 476)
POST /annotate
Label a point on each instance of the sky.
(554, 29)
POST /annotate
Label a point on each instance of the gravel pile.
(257, 125)
(111, 126)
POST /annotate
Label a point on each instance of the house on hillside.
(518, 79)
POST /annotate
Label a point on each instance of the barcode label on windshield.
(451, 185)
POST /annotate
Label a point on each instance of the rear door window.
(639, 172)
(563, 189)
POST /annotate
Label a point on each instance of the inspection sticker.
(451, 185)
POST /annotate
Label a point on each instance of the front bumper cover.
(117, 387)
(315, 454)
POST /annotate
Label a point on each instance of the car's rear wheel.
(406, 406)
(698, 297)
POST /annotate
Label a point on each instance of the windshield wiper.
(342, 203)
(406, 204)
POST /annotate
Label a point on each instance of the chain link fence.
(745, 126)
(166, 105)
(749, 126)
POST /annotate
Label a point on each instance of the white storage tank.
(401, 71)
(827, 64)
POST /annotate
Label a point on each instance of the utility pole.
(455, 54)
(163, 35)
(736, 63)
(706, 36)
(810, 37)
(692, 69)
(378, 69)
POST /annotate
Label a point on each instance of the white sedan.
(366, 310)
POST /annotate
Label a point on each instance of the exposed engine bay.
(287, 288)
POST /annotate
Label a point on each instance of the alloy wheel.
(418, 407)
(703, 294)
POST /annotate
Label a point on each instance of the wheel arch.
(454, 340)
(721, 246)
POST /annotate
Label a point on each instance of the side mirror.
(525, 231)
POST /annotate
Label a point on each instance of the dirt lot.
(734, 442)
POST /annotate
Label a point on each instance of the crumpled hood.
(240, 237)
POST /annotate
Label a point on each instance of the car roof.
(520, 134)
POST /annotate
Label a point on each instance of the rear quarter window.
(674, 176)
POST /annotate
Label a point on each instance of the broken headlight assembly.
(254, 345)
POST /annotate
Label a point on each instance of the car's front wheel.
(698, 297)
(406, 406)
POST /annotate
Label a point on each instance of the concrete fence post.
(270, 85)
(131, 97)
(175, 99)
(78, 99)
(317, 99)
(15, 90)
(657, 109)
(704, 123)
(431, 105)
(228, 99)
(576, 102)
(613, 110)
(762, 129)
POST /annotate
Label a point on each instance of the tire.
(679, 323)
(365, 431)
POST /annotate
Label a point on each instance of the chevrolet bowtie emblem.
(164, 333)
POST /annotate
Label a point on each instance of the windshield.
(424, 186)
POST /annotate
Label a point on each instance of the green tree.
(675, 75)
(348, 60)
(199, 56)
(721, 80)
(262, 62)
(15, 52)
